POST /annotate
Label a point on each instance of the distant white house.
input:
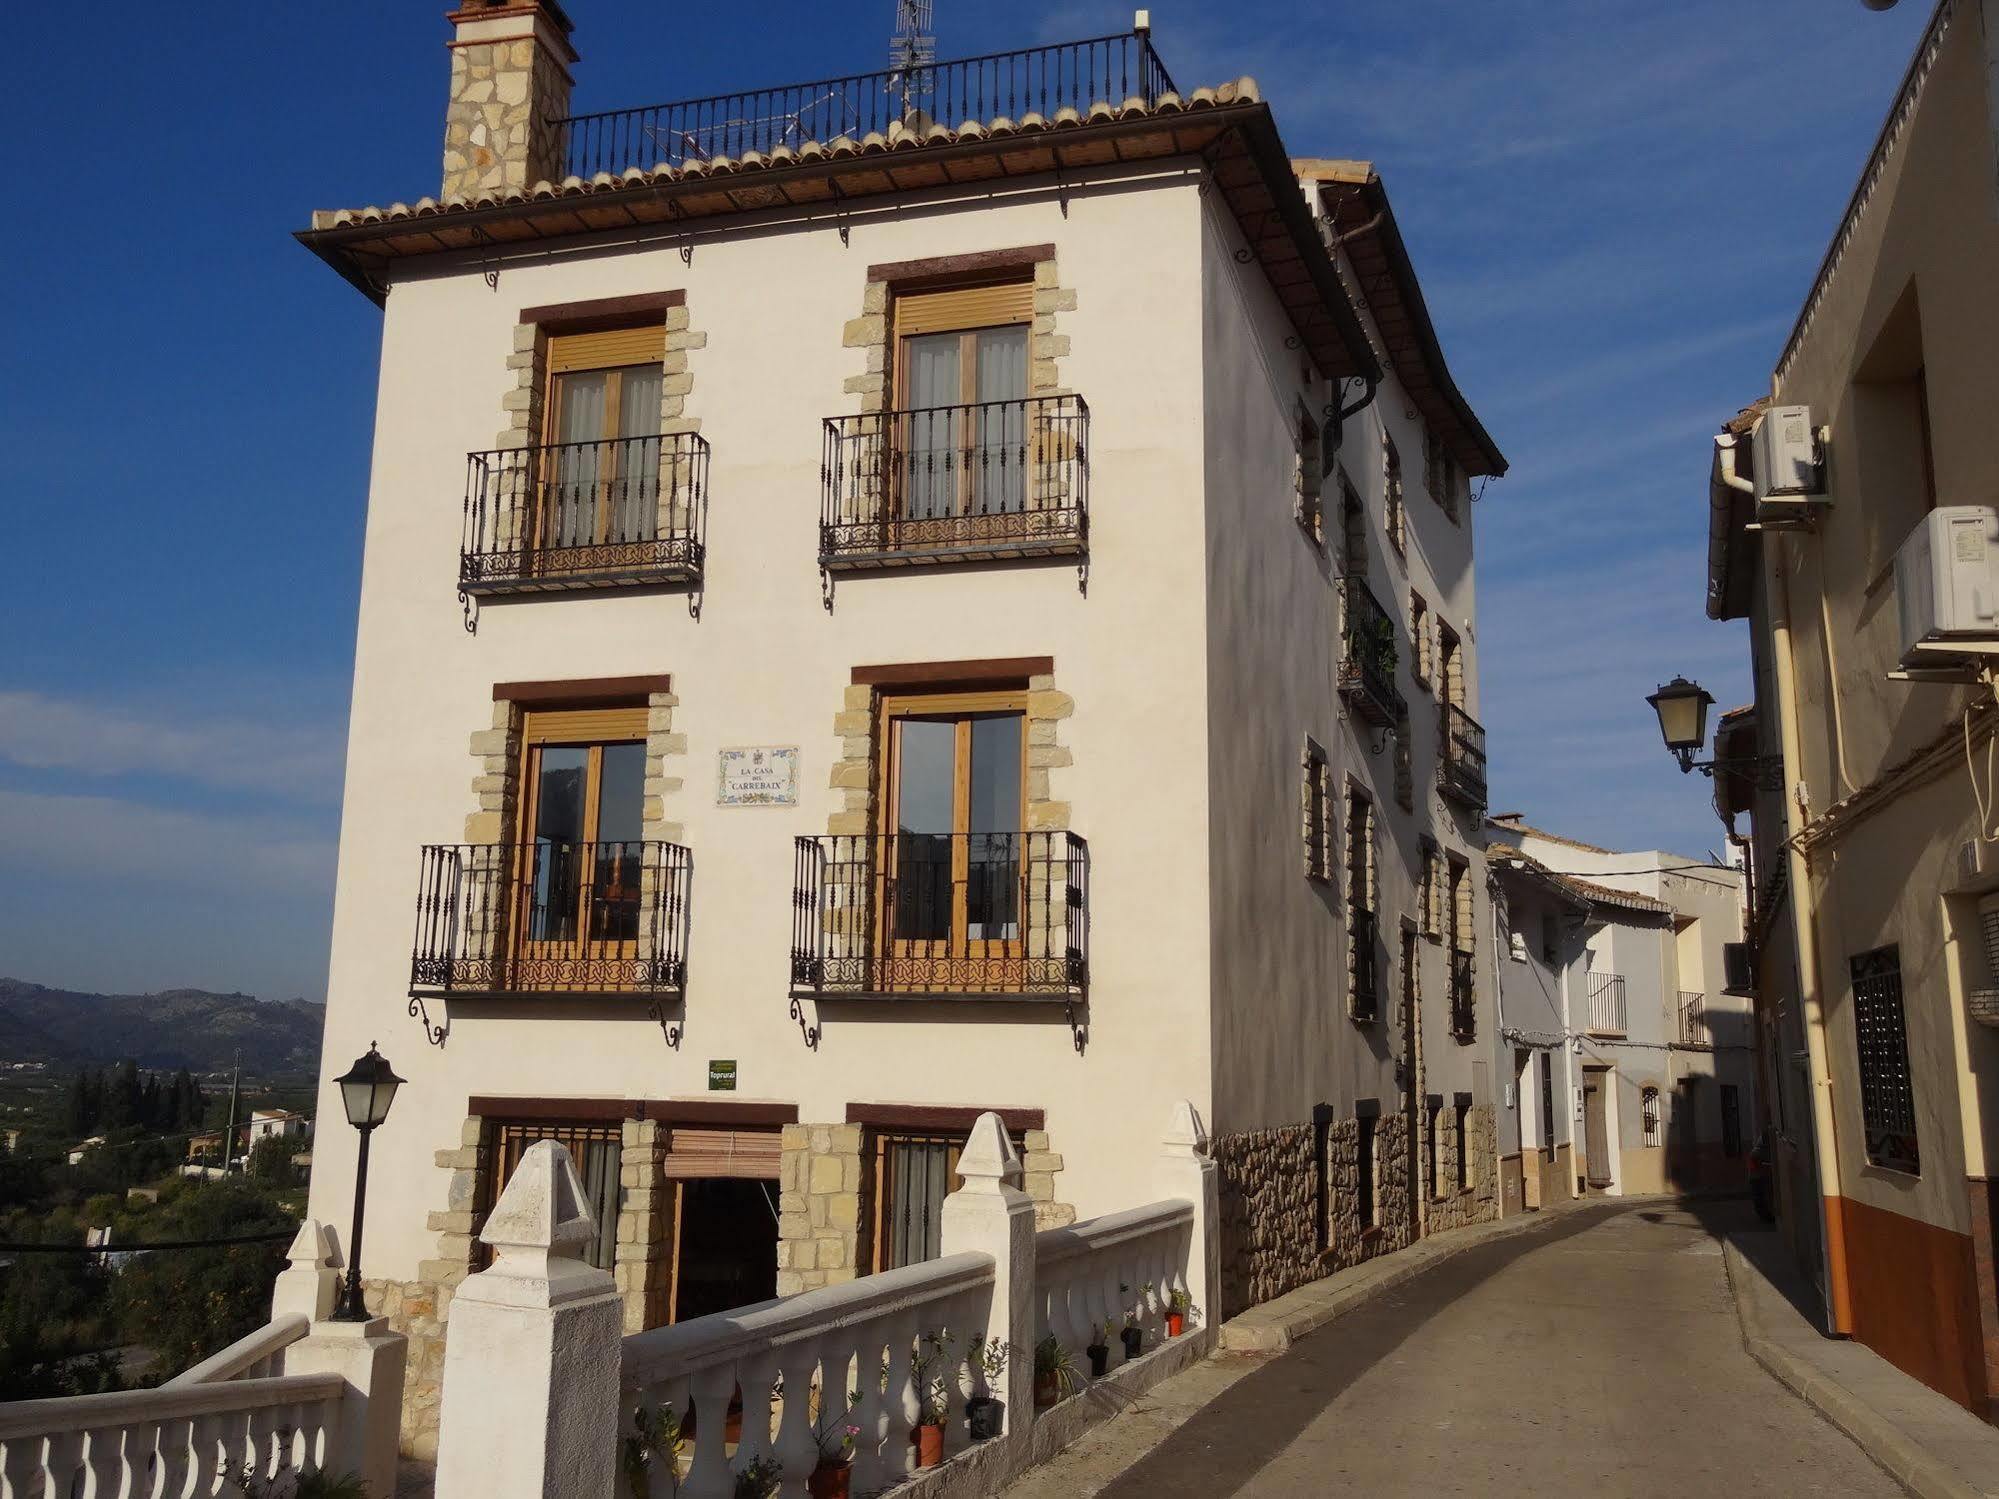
(267, 1122)
(77, 1151)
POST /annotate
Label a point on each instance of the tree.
(187, 1304)
(271, 1160)
(79, 1114)
(123, 1097)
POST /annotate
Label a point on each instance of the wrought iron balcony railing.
(970, 483)
(1606, 1004)
(551, 918)
(1367, 654)
(1034, 80)
(1363, 931)
(570, 515)
(1464, 997)
(1694, 1027)
(897, 914)
(1461, 757)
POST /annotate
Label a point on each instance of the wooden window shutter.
(697, 1154)
(583, 725)
(964, 307)
(607, 350)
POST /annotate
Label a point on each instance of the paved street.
(1600, 1356)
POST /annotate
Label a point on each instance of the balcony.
(1461, 757)
(960, 915)
(1606, 1004)
(1364, 932)
(623, 512)
(1695, 1029)
(1464, 997)
(1367, 655)
(509, 919)
(981, 482)
(889, 103)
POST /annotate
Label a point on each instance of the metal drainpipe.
(1804, 914)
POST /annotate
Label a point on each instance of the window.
(1307, 476)
(1362, 933)
(1648, 1115)
(913, 1175)
(1366, 1169)
(1516, 945)
(1432, 1135)
(1551, 939)
(1441, 475)
(1887, 1090)
(1432, 891)
(1462, 1126)
(599, 481)
(959, 385)
(1316, 806)
(1419, 639)
(1463, 914)
(1405, 764)
(1353, 532)
(952, 820)
(1391, 494)
(1548, 1103)
(1450, 666)
(597, 1149)
(580, 852)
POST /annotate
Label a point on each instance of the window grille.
(1648, 1114)
(1887, 1091)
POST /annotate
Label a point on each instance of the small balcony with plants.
(1367, 654)
(613, 513)
(902, 915)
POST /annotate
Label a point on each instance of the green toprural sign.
(722, 1077)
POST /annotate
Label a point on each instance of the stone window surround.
(522, 405)
(871, 331)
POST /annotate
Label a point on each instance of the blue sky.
(1613, 212)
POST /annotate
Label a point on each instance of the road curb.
(1899, 1455)
(1275, 1325)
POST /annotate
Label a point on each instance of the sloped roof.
(1586, 892)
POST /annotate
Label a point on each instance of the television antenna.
(913, 46)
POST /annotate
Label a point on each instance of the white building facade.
(849, 628)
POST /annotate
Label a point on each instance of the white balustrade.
(1100, 1272)
(799, 1370)
(169, 1443)
(257, 1355)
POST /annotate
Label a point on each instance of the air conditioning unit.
(1789, 463)
(1947, 587)
(1738, 969)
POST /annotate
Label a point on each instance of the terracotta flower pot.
(831, 1480)
(929, 1446)
(1176, 1323)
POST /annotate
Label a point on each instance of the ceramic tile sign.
(762, 776)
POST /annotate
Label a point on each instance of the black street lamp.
(1682, 708)
(367, 1090)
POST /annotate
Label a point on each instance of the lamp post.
(1682, 708)
(367, 1090)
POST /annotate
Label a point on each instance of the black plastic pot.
(1133, 1339)
(1100, 1357)
(985, 1417)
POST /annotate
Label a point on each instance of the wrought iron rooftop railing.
(969, 483)
(1367, 654)
(1461, 756)
(1032, 80)
(551, 918)
(901, 914)
(1606, 1004)
(572, 515)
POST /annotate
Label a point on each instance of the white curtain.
(634, 503)
(571, 495)
(999, 482)
(930, 437)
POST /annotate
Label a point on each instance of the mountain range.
(192, 1028)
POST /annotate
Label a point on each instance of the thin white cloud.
(297, 761)
(127, 847)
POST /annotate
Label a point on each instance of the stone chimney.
(509, 81)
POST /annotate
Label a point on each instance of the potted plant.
(656, 1438)
(933, 1397)
(985, 1414)
(1054, 1373)
(1098, 1351)
(834, 1472)
(1179, 1307)
(758, 1481)
(1131, 1335)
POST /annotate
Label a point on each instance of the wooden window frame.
(878, 1140)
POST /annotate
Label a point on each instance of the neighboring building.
(933, 620)
(200, 1147)
(1633, 1069)
(265, 1123)
(83, 1147)
(1871, 848)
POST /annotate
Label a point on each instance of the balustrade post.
(531, 1370)
(1186, 1171)
(991, 1215)
(308, 1288)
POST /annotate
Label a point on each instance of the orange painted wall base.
(1913, 1291)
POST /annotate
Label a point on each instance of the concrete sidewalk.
(1930, 1445)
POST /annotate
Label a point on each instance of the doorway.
(1596, 1127)
(1530, 1158)
(725, 1245)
